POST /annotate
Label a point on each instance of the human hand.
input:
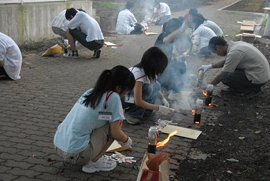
(127, 144)
(205, 68)
(165, 102)
(165, 110)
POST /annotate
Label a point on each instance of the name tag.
(105, 116)
(129, 99)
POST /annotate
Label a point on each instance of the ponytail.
(108, 81)
(102, 85)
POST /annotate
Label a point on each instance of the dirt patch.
(235, 138)
(248, 6)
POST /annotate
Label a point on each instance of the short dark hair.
(198, 20)
(217, 40)
(201, 16)
(129, 5)
(70, 12)
(173, 24)
(193, 12)
(181, 19)
(153, 62)
(82, 10)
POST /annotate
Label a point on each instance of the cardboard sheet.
(249, 35)
(247, 23)
(150, 33)
(115, 146)
(181, 131)
(247, 28)
(109, 43)
(267, 9)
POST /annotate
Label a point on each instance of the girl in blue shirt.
(95, 121)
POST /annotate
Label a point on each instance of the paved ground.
(31, 109)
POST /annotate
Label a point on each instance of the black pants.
(81, 37)
(138, 29)
(238, 80)
(4, 73)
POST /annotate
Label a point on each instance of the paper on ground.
(115, 146)
(109, 43)
(181, 131)
(150, 33)
(247, 28)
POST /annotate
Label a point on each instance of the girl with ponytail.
(95, 121)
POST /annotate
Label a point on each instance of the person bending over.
(141, 100)
(95, 121)
(84, 29)
(126, 21)
(10, 59)
(212, 25)
(244, 69)
(201, 37)
(172, 77)
(162, 13)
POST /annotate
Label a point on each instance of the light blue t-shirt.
(73, 134)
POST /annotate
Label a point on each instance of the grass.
(264, 22)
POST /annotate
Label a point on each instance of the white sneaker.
(131, 120)
(175, 96)
(101, 164)
(71, 54)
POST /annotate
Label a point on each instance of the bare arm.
(117, 132)
(172, 36)
(219, 78)
(138, 98)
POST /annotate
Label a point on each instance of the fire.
(163, 143)
(197, 123)
(210, 105)
(204, 93)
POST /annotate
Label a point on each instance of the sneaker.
(97, 53)
(73, 54)
(101, 164)
(175, 96)
(131, 120)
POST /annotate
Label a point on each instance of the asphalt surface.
(32, 108)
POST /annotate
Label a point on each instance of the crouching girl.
(141, 100)
(95, 121)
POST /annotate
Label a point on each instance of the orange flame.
(210, 105)
(204, 93)
(163, 143)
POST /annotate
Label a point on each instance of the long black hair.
(153, 62)
(108, 81)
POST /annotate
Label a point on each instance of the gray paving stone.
(21, 172)
(7, 177)
(21, 165)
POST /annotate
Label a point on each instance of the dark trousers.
(4, 73)
(138, 29)
(81, 37)
(239, 80)
(172, 77)
(149, 94)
